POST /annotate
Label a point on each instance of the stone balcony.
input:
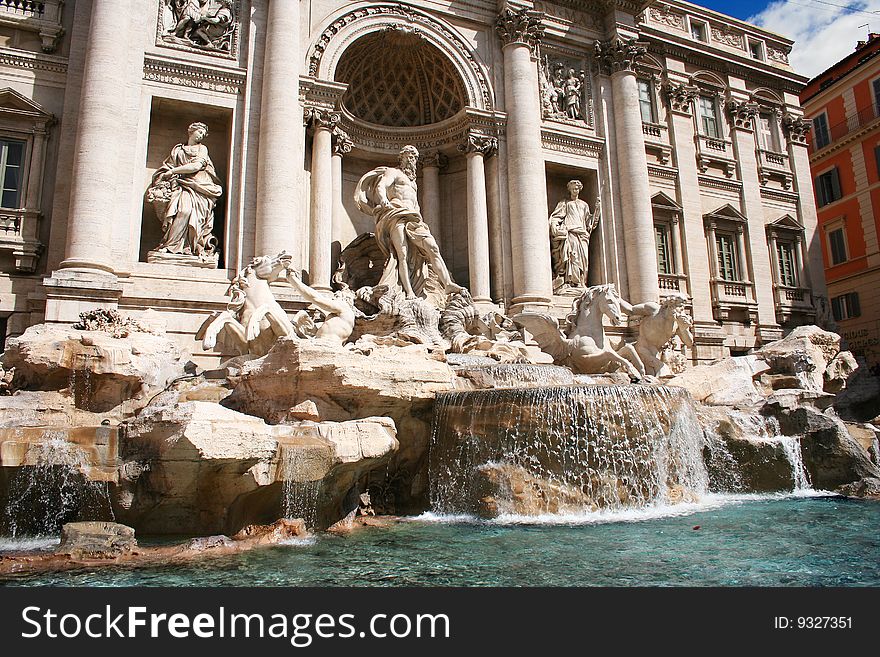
(715, 153)
(40, 16)
(657, 141)
(734, 301)
(773, 165)
(793, 303)
(18, 236)
(672, 283)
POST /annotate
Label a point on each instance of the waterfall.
(519, 375)
(299, 499)
(54, 490)
(556, 449)
(81, 382)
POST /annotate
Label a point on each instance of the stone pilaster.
(342, 145)
(695, 254)
(796, 129)
(617, 58)
(521, 32)
(282, 139)
(476, 148)
(323, 124)
(742, 116)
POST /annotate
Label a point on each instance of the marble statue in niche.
(562, 91)
(184, 192)
(203, 24)
(571, 224)
(413, 260)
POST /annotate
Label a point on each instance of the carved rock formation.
(395, 382)
(102, 373)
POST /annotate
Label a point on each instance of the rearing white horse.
(253, 318)
(584, 347)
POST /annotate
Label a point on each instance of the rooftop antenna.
(859, 44)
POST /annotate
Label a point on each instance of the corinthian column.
(320, 234)
(520, 33)
(342, 145)
(475, 148)
(431, 165)
(282, 140)
(95, 171)
(617, 58)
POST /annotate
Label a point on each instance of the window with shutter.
(728, 269)
(664, 252)
(837, 244)
(821, 132)
(11, 157)
(786, 262)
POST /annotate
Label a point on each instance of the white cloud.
(823, 34)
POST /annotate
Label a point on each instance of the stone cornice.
(33, 61)
(320, 93)
(194, 76)
(566, 142)
(722, 62)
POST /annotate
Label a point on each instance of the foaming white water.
(300, 541)
(29, 544)
(706, 502)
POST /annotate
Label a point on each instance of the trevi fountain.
(398, 432)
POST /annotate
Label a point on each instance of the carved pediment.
(14, 103)
(661, 201)
(787, 223)
(726, 213)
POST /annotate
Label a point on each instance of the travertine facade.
(685, 123)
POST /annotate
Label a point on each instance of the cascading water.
(522, 375)
(54, 490)
(563, 449)
(299, 499)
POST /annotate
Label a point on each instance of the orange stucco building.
(843, 103)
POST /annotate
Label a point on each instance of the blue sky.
(825, 31)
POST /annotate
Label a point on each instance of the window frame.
(22, 167)
(735, 266)
(850, 302)
(703, 25)
(762, 54)
(834, 189)
(827, 132)
(843, 245)
(719, 131)
(648, 84)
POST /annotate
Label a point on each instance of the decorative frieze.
(572, 144)
(565, 91)
(619, 55)
(681, 97)
(479, 143)
(742, 114)
(796, 128)
(780, 55)
(665, 16)
(521, 26)
(204, 26)
(728, 37)
(193, 77)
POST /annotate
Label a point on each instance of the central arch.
(342, 32)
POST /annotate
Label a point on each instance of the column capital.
(479, 143)
(742, 113)
(618, 55)
(680, 97)
(317, 117)
(522, 26)
(436, 159)
(796, 129)
(342, 143)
